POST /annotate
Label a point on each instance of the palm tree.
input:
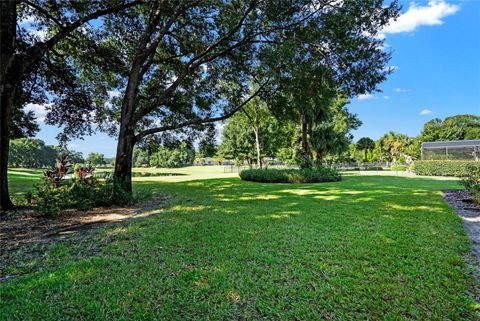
(365, 144)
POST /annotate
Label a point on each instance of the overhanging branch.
(36, 52)
(200, 121)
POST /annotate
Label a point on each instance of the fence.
(451, 150)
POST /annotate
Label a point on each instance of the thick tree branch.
(44, 12)
(200, 59)
(207, 55)
(150, 50)
(200, 121)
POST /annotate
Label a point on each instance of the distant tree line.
(34, 153)
(247, 140)
(179, 154)
(395, 147)
(256, 133)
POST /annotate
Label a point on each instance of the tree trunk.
(319, 159)
(126, 138)
(8, 17)
(305, 149)
(124, 157)
(257, 145)
(5, 119)
(126, 141)
(305, 154)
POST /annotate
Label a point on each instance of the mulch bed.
(25, 233)
(467, 208)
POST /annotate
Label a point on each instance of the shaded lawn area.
(369, 247)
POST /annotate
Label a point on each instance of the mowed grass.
(21, 180)
(186, 173)
(368, 247)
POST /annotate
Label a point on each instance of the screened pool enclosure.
(452, 150)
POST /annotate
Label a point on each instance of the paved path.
(470, 213)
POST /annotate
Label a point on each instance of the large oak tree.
(190, 63)
(23, 57)
(187, 64)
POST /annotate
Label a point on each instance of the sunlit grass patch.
(368, 247)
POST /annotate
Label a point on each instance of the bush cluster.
(72, 193)
(472, 181)
(303, 175)
(82, 192)
(398, 167)
(455, 168)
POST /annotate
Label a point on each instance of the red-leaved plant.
(55, 175)
(83, 172)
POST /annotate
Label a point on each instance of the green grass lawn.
(368, 247)
(21, 180)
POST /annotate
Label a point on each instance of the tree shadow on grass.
(366, 247)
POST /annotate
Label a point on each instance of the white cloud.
(400, 90)
(416, 16)
(113, 93)
(390, 68)
(27, 20)
(365, 96)
(386, 97)
(39, 110)
(425, 112)
(41, 34)
(219, 131)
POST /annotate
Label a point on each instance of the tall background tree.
(458, 127)
(335, 52)
(207, 147)
(96, 159)
(392, 145)
(253, 134)
(330, 134)
(365, 144)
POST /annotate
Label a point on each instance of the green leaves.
(444, 167)
(457, 127)
(303, 175)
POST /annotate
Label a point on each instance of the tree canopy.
(457, 127)
(170, 68)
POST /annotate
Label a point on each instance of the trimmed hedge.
(472, 182)
(456, 168)
(304, 175)
(399, 168)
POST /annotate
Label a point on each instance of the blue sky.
(436, 56)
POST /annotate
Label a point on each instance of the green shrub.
(77, 194)
(83, 192)
(400, 168)
(372, 168)
(303, 175)
(472, 181)
(50, 200)
(444, 167)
